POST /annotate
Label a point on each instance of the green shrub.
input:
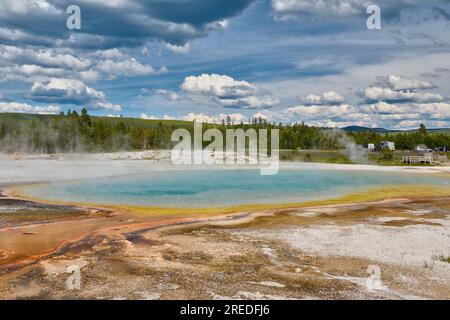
(386, 154)
(307, 158)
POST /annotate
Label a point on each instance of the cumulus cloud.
(374, 94)
(397, 89)
(200, 117)
(105, 105)
(317, 115)
(228, 92)
(399, 83)
(43, 57)
(64, 91)
(128, 67)
(294, 9)
(27, 64)
(398, 101)
(18, 107)
(433, 111)
(218, 85)
(391, 100)
(222, 117)
(298, 9)
(58, 75)
(327, 109)
(113, 54)
(168, 94)
(69, 91)
(29, 73)
(234, 118)
(150, 117)
(327, 98)
(186, 48)
(381, 114)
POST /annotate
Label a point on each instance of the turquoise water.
(207, 188)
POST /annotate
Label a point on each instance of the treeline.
(73, 132)
(405, 140)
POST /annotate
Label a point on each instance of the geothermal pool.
(219, 188)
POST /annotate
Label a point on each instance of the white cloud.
(65, 89)
(29, 73)
(129, 67)
(406, 64)
(168, 94)
(372, 94)
(327, 9)
(235, 118)
(30, 65)
(414, 124)
(217, 85)
(294, 9)
(399, 89)
(202, 117)
(381, 114)
(323, 116)
(327, 98)
(408, 110)
(46, 57)
(262, 115)
(150, 117)
(26, 108)
(25, 7)
(147, 117)
(218, 25)
(105, 105)
(228, 92)
(398, 83)
(183, 49)
(251, 102)
(110, 54)
(69, 91)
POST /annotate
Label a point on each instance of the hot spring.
(220, 188)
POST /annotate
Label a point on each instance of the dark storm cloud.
(107, 24)
(194, 12)
(439, 12)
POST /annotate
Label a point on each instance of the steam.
(356, 153)
(41, 137)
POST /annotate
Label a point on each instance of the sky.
(286, 61)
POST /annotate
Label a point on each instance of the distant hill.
(360, 129)
(383, 130)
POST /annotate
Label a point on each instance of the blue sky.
(284, 60)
